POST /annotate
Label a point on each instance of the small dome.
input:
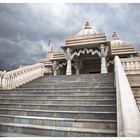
(116, 41)
(87, 30)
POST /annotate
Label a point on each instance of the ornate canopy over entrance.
(88, 49)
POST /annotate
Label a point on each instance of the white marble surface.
(128, 115)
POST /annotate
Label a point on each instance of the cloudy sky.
(26, 28)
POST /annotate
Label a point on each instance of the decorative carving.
(86, 36)
(68, 53)
(85, 51)
(61, 65)
(106, 50)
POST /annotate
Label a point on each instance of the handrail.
(20, 76)
(128, 115)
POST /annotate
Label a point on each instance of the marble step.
(8, 134)
(64, 107)
(60, 122)
(109, 76)
(76, 81)
(66, 86)
(61, 83)
(71, 82)
(61, 101)
(76, 90)
(45, 97)
(57, 84)
(110, 115)
(109, 88)
(55, 131)
(51, 92)
(81, 76)
(107, 82)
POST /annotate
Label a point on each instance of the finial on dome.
(88, 25)
(20, 66)
(114, 36)
(50, 49)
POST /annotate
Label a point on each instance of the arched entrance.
(87, 64)
(86, 61)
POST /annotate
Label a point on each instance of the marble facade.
(87, 52)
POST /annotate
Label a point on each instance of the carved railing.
(128, 115)
(131, 65)
(20, 76)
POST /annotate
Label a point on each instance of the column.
(77, 66)
(77, 71)
(68, 54)
(103, 60)
(54, 68)
(4, 80)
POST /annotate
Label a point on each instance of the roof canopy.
(87, 37)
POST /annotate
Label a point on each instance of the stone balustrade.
(131, 65)
(128, 115)
(20, 76)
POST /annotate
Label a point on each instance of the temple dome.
(116, 41)
(87, 30)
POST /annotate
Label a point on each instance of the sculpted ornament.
(61, 65)
(93, 52)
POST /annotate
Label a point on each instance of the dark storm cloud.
(26, 28)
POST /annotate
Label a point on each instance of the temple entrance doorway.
(89, 64)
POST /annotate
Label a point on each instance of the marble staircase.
(66, 106)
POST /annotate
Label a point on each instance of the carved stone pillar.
(77, 71)
(77, 66)
(68, 54)
(54, 68)
(103, 60)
